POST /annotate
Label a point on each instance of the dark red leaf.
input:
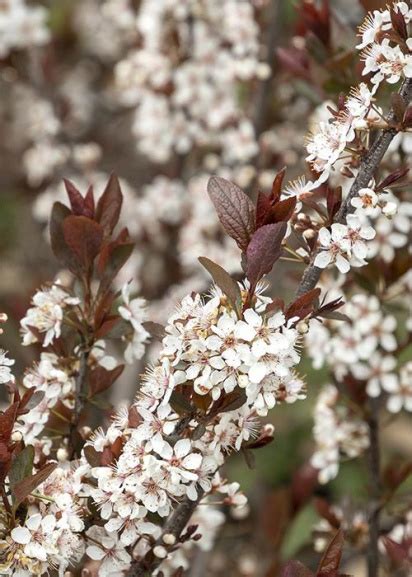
(113, 257)
(84, 237)
(107, 325)
(326, 512)
(283, 210)
(93, 457)
(156, 330)
(329, 564)
(277, 185)
(264, 250)
(263, 208)
(225, 282)
(333, 201)
(75, 197)
(397, 553)
(61, 250)
(392, 178)
(295, 569)
(109, 205)
(100, 379)
(7, 420)
(234, 209)
(22, 489)
(303, 305)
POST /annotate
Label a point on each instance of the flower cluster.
(53, 378)
(5, 371)
(185, 92)
(218, 373)
(344, 245)
(50, 534)
(44, 319)
(385, 59)
(208, 345)
(338, 434)
(363, 349)
(21, 26)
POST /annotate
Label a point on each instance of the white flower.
(335, 247)
(357, 234)
(379, 374)
(400, 397)
(135, 312)
(371, 27)
(109, 551)
(366, 201)
(181, 462)
(5, 372)
(46, 316)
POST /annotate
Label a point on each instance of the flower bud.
(62, 454)
(169, 539)
(302, 327)
(16, 437)
(160, 552)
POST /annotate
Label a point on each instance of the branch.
(373, 456)
(79, 400)
(264, 95)
(367, 169)
(173, 526)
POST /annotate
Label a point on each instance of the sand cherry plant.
(94, 486)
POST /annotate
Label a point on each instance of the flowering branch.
(368, 166)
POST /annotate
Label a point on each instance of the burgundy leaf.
(397, 553)
(61, 250)
(283, 210)
(264, 250)
(84, 237)
(225, 282)
(109, 205)
(303, 305)
(75, 197)
(392, 178)
(101, 379)
(263, 208)
(156, 330)
(23, 489)
(295, 569)
(92, 456)
(277, 185)
(234, 209)
(329, 564)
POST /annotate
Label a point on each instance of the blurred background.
(165, 93)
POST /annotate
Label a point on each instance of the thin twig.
(173, 526)
(79, 399)
(375, 488)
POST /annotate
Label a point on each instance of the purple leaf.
(109, 205)
(264, 250)
(234, 209)
(296, 569)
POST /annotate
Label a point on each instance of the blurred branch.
(375, 487)
(264, 93)
(367, 169)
